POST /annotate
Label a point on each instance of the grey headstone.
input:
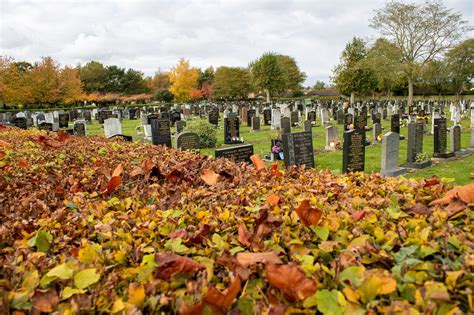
(187, 141)
(112, 127)
(390, 153)
(285, 125)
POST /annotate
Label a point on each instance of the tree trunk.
(268, 95)
(410, 91)
(352, 97)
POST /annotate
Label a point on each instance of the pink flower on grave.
(275, 149)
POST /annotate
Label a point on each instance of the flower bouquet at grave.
(422, 157)
(278, 151)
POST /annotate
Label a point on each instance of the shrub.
(421, 157)
(163, 95)
(206, 132)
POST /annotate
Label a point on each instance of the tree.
(206, 76)
(384, 59)
(292, 76)
(353, 76)
(460, 65)
(267, 75)
(163, 95)
(421, 33)
(70, 85)
(319, 85)
(15, 86)
(161, 80)
(134, 83)
(115, 79)
(45, 82)
(183, 79)
(94, 77)
(232, 83)
(434, 75)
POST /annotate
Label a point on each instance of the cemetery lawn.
(457, 169)
(90, 225)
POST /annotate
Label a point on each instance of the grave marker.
(160, 132)
(285, 125)
(241, 153)
(231, 129)
(187, 141)
(390, 147)
(439, 144)
(112, 127)
(298, 149)
(353, 151)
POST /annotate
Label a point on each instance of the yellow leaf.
(85, 278)
(68, 292)
(375, 285)
(118, 306)
(136, 293)
(61, 271)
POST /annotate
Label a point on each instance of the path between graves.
(93, 224)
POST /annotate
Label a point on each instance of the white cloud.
(147, 35)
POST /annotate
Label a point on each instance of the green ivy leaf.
(331, 302)
(61, 271)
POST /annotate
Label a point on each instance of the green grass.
(459, 169)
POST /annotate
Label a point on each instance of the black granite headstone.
(160, 132)
(187, 141)
(21, 122)
(241, 153)
(63, 120)
(439, 144)
(231, 129)
(353, 151)
(298, 149)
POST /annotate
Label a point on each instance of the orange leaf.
(257, 161)
(273, 200)
(291, 281)
(307, 214)
(209, 177)
(466, 193)
(274, 171)
(114, 182)
(147, 165)
(118, 170)
(137, 171)
(23, 163)
(223, 300)
(61, 136)
(2, 154)
(5, 144)
(244, 234)
(359, 215)
(431, 182)
(247, 259)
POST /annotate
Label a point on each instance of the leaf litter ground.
(89, 224)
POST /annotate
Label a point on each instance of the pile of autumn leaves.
(92, 224)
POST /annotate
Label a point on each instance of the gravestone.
(395, 123)
(187, 141)
(255, 124)
(213, 117)
(165, 115)
(294, 118)
(112, 127)
(250, 114)
(87, 116)
(360, 121)
(160, 132)
(440, 131)
(45, 126)
(455, 139)
(415, 146)
(19, 122)
(376, 118)
(175, 116)
(276, 119)
(63, 120)
(390, 152)
(285, 125)
(340, 116)
(243, 114)
(267, 116)
(298, 149)
(471, 144)
(180, 126)
(241, 153)
(121, 137)
(331, 138)
(377, 130)
(324, 116)
(307, 126)
(353, 151)
(348, 121)
(231, 129)
(40, 118)
(79, 128)
(312, 116)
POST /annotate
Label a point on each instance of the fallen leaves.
(291, 280)
(464, 193)
(209, 177)
(169, 264)
(307, 214)
(248, 259)
(258, 162)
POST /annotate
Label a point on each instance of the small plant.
(206, 132)
(421, 157)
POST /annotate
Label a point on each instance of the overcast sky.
(152, 34)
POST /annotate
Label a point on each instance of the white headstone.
(112, 127)
(276, 119)
(390, 153)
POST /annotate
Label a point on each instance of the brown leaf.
(418, 208)
(209, 177)
(291, 281)
(199, 235)
(307, 214)
(223, 300)
(431, 182)
(359, 215)
(137, 171)
(466, 193)
(244, 234)
(114, 182)
(257, 161)
(118, 170)
(23, 163)
(170, 264)
(45, 301)
(247, 259)
(273, 200)
(274, 171)
(61, 136)
(454, 207)
(230, 262)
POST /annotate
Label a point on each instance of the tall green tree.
(94, 77)
(115, 79)
(434, 76)
(134, 83)
(232, 83)
(206, 76)
(319, 85)
(353, 75)
(293, 77)
(460, 66)
(421, 33)
(267, 74)
(384, 59)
